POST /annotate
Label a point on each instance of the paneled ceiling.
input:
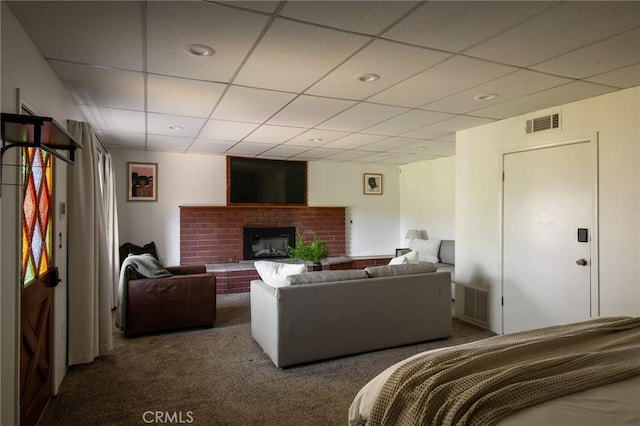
(283, 81)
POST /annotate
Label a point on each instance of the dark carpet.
(219, 376)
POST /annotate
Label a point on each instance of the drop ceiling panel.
(308, 111)
(354, 140)
(179, 96)
(168, 143)
(252, 105)
(391, 144)
(172, 26)
(623, 78)
(428, 147)
(545, 99)
(227, 130)
(106, 87)
(400, 62)
(316, 154)
(615, 52)
(380, 157)
(160, 124)
(408, 121)
(361, 116)
(446, 127)
(355, 16)
(211, 145)
(450, 77)
(122, 139)
(509, 87)
(286, 151)
(261, 6)
(310, 53)
(454, 26)
(316, 137)
(118, 120)
(273, 134)
(89, 32)
(248, 148)
(350, 155)
(559, 29)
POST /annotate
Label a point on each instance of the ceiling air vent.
(546, 122)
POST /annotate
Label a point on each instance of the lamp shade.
(412, 234)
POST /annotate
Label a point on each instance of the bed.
(586, 373)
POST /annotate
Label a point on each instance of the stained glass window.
(37, 215)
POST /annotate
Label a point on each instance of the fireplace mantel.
(213, 234)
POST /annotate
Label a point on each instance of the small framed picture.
(372, 184)
(142, 179)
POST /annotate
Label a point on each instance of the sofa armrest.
(264, 318)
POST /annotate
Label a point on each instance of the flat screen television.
(261, 181)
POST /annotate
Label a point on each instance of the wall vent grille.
(546, 122)
(476, 305)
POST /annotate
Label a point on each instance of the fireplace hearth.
(268, 243)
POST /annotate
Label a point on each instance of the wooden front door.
(36, 362)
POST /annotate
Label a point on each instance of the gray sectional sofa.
(350, 312)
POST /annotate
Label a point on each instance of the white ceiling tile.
(349, 15)
(511, 86)
(168, 143)
(89, 32)
(273, 134)
(311, 52)
(227, 130)
(308, 111)
(612, 53)
(106, 87)
(177, 96)
(159, 124)
(211, 145)
(446, 127)
(117, 120)
(259, 5)
(545, 99)
(427, 147)
(316, 153)
(172, 26)
(391, 144)
(316, 137)
(400, 62)
(361, 116)
(253, 105)
(452, 76)
(454, 26)
(349, 155)
(406, 122)
(249, 148)
(559, 29)
(286, 151)
(122, 139)
(379, 157)
(624, 77)
(354, 140)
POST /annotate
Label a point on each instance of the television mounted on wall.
(255, 181)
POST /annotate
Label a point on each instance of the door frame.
(592, 140)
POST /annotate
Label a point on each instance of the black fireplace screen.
(268, 243)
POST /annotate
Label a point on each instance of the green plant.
(315, 251)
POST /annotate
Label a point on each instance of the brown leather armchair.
(186, 299)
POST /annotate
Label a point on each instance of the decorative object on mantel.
(142, 181)
(315, 251)
(372, 183)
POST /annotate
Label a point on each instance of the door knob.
(581, 262)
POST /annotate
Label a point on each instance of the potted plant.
(315, 251)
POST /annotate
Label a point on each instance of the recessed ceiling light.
(176, 127)
(199, 50)
(367, 78)
(485, 96)
(315, 140)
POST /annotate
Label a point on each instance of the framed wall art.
(372, 184)
(142, 179)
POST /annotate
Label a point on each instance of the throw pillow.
(394, 270)
(427, 249)
(411, 257)
(275, 274)
(128, 248)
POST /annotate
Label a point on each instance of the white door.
(548, 195)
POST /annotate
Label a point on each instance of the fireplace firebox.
(268, 243)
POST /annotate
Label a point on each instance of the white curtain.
(92, 256)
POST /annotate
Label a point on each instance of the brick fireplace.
(213, 234)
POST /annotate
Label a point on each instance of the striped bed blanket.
(486, 381)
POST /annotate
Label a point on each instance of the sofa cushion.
(405, 269)
(411, 257)
(447, 267)
(427, 249)
(275, 273)
(447, 252)
(327, 276)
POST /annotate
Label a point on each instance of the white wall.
(372, 220)
(427, 198)
(616, 119)
(23, 67)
